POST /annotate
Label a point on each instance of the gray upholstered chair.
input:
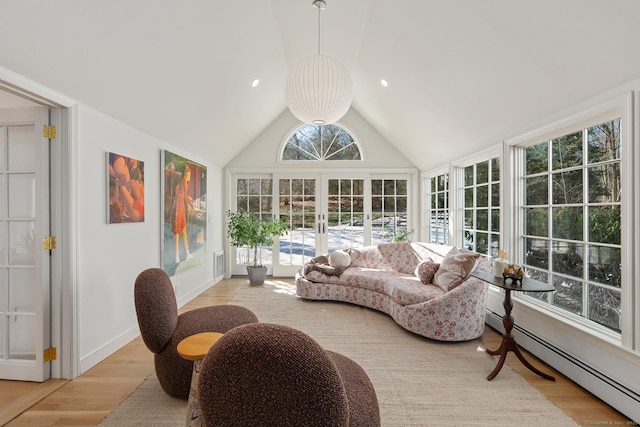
(162, 328)
(272, 375)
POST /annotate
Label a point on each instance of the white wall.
(110, 256)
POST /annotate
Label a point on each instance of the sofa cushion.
(339, 259)
(426, 270)
(455, 268)
(404, 289)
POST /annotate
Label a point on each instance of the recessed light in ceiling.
(384, 83)
(255, 83)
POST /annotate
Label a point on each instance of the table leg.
(194, 418)
(509, 343)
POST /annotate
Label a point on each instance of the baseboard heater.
(609, 390)
(218, 266)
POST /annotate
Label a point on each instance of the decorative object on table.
(125, 189)
(184, 213)
(162, 328)
(266, 374)
(513, 272)
(499, 263)
(246, 229)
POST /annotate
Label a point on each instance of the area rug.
(419, 382)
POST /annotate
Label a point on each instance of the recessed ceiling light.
(255, 83)
(384, 83)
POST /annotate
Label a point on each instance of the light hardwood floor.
(86, 400)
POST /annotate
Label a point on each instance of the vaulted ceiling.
(463, 74)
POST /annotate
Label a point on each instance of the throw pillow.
(455, 268)
(339, 259)
(426, 270)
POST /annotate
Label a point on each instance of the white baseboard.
(606, 388)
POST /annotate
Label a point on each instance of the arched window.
(321, 143)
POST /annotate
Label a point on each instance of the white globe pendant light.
(319, 88)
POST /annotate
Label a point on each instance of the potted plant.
(245, 229)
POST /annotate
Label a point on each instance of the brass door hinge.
(50, 354)
(49, 243)
(49, 132)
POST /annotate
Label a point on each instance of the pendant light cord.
(319, 10)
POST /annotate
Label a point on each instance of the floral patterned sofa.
(424, 287)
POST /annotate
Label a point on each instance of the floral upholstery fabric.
(456, 315)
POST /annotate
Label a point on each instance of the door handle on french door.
(324, 228)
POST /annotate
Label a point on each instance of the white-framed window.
(481, 206)
(321, 143)
(571, 230)
(437, 208)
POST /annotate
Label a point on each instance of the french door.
(326, 211)
(24, 266)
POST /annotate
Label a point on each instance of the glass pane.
(376, 204)
(567, 151)
(442, 182)
(242, 187)
(468, 197)
(604, 183)
(389, 187)
(482, 217)
(604, 224)
(605, 265)
(567, 258)
(345, 187)
(21, 347)
(440, 200)
(495, 169)
(376, 187)
(390, 205)
(537, 254)
(432, 183)
(254, 187)
(482, 243)
(495, 195)
(284, 187)
(482, 172)
(22, 148)
(567, 223)
(309, 186)
(468, 218)
(22, 284)
(536, 222)
(605, 307)
(482, 196)
(22, 243)
(468, 240)
(242, 203)
(537, 190)
(296, 187)
(254, 204)
(334, 186)
(267, 186)
(567, 187)
(603, 142)
(495, 220)
(401, 187)
(468, 176)
(536, 158)
(568, 294)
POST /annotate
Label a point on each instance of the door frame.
(63, 193)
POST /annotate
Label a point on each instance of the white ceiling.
(461, 73)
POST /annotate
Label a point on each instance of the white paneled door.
(24, 263)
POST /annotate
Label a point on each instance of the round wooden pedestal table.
(194, 348)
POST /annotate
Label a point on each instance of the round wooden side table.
(194, 348)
